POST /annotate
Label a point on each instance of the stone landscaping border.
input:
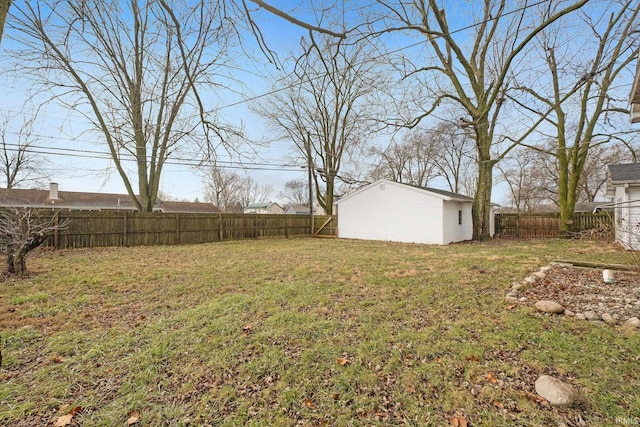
(553, 390)
(553, 307)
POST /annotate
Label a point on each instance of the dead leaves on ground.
(342, 361)
(134, 417)
(458, 421)
(67, 419)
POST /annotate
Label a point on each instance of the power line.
(99, 155)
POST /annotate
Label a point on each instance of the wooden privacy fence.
(120, 228)
(548, 224)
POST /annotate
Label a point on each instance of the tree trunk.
(482, 201)
(4, 10)
(17, 256)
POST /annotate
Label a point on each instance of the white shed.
(391, 211)
(623, 184)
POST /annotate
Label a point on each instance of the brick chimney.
(53, 191)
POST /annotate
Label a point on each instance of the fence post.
(56, 223)
(177, 217)
(286, 226)
(124, 229)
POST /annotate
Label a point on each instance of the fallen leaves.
(342, 361)
(458, 421)
(134, 417)
(65, 420)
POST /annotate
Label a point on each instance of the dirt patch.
(583, 289)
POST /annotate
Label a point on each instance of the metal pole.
(310, 177)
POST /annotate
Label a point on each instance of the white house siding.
(453, 231)
(627, 216)
(391, 212)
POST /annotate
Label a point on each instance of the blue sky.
(58, 127)
(65, 131)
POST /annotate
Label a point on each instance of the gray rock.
(609, 319)
(548, 306)
(591, 315)
(523, 299)
(569, 313)
(530, 279)
(634, 322)
(517, 286)
(555, 391)
(580, 316)
(545, 268)
(539, 275)
(511, 298)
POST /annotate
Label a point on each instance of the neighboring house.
(263, 208)
(390, 211)
(296, 210)
(634, 98)
(302, 210)
(623, 185)
(71, 200)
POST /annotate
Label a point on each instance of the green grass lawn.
(310, 332)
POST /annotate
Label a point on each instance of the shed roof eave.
(623, 182)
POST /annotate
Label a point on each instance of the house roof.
(302, 209)
(90, 201)
(624, 173)
(261, 205)
(443, 194)
(186, 207)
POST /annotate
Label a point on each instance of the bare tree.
(411, 161)
(580, 90)
(593, 179)
(328, 108)
(21, 231)
(472, 73)
(296, 192)
(445, 151)
(527, 179)
(18, 163)
(232, 192)
(223, 188)
(456, 159)
(251, 191)
(120, 64)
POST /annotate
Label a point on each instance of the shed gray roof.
(447, 195)
(456, 196)
(627, 172)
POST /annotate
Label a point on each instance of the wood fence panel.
(124, 228)
(547, 225)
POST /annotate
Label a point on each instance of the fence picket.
(548, 224)
(119, 228)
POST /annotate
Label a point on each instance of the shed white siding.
(393, 213)
(627, 216)
(457, 224)
(390, 211)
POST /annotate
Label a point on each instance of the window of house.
(459, 217)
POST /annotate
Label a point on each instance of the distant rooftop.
(72, 200)
(627, 172)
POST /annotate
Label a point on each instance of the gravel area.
(581, 290)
